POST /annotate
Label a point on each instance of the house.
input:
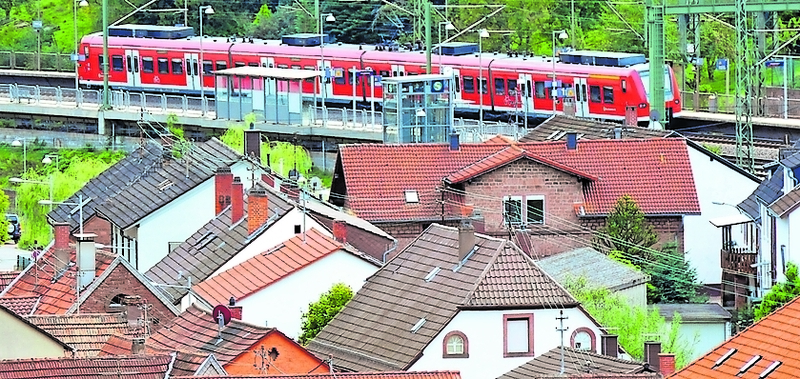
(557, 193)
(454, 300)
(580, 364)
(185, 363)
(353, 375)
(86, 333)
(237, 345)
(717, 182)
(24, 339)
(599, 271)
(703, 326)
(765, 350)
(149, 202)
(275, 287)
(140, 367)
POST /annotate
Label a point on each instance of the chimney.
(236, 311)
(137, 346)
(572, 141)
(257, 208)
(667, 362)
(466, 239)
(455, 144)
(252, 144)
(478, 222)
(86, 258)
(340, 231)
(223, 179)
(610, 345)
(61, 232)
(651, 351)
(617, 133)
(237, 200)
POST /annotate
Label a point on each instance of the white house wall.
(636, 295)
(715, 182)
(484, 332)
(281, 304)
(700, 338)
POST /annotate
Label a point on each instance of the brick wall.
(668, 228)
(369, 243)
(121, 281)
(100, 227)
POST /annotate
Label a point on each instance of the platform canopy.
(273, 73)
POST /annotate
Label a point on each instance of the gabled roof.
(144, 181)
(786, 203)
(212, 246)
(271, 266)
(354, 375)
(328, 211)
(186, 362)
(34, 327)
(6, 277)
(770, 190)
(655, 172)
(710, 312)
(87, 333)
(576, 362)
(375, 331)
(773, 339)
(138, 367)
(598, 269)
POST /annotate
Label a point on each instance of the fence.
(23, 60)
(767, 106)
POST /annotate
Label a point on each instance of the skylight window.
(749, 364)
(432, 274)
(418, 325)
(770, 369)
(724, 358)
(412, 197)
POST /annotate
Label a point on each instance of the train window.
(272, 65)
(412, 73)
(295, 67)
(540, 90)
(339, 79)
(394, 73)
(239, 64)
(594, 94)
(499, 86)
(221, 65)
(191, 67)
(512, 87)
(263, 65)
(458, 84)
(309, 68)
(384, 73)
(86, 51)
(624, 86)
(177, 67)
(163, 66)
(608, 95)
(528, 89)
(283, 66)
(484, 86)
(128, 63)
(469, 84)
(207, 67)
(116, 63)
(147, 64)
(100, 61)
(252, 64)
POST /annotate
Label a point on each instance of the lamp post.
(447, 26)
(24, 144)
(562, 35)
(50, 183)
(328, 18)
(207, 9)
(105, 65)
(75, 5)
(482, 33)
(79, 204)
(48, 159)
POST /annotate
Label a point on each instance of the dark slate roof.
(598, 269)
(790, 157)
(374, 331)
(767, 192)
(575, 362)
(144, 181)
(556, 128)
(694, 312)
(212, 246)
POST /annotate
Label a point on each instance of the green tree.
(628, 232)
(4, 203)
(779, 294)
(672, 278)
(282, 156)
(321, 312)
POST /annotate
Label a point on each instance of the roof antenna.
(221, 324)
(562, 329)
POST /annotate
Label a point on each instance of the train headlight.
(677, 101)
(642, 105)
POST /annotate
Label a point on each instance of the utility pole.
(572, 26)
(105, 56)
(562, 329)
(428, 37)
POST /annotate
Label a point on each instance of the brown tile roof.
(374, 331)
(6, 277)
(87, 333)
(773, 339)
(786, 203)
(354, 375)
(22, 305)
(556, 128)
(268, 267)
(212, 246)
(576, 362)
(133, 367)
(186, 363)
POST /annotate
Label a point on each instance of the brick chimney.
(667, 362)
(252, 144)
(223, 179)
(466, 239)
(237, 200)
(340, 231)
(610, 345)
(236, 311)
(61, 248)
(257, 208)
(86, 258)
(137, 346)
(651, 351)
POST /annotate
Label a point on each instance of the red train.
(601, 89)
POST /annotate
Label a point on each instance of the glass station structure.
(417, 108)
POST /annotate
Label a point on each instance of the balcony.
(739, 260)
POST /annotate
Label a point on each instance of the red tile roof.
(87, 333)
(133, 367)
(774, 338)
(6, 277)
(186, 363)
(356, 375)
(266, 268)
(655, 172)
(23, 306)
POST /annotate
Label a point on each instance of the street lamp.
(448, 26)
(50, 183)
(482, 33)
(79, 204)
(75, 5)
(24, 144)
(562, 35)
(328, 18)
(207, 9)
(48, 159)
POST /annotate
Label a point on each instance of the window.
(412, 197)
(583, 339)
(221, 65)
(499, 86)
(534, 209)
(239, 64)
(458, 84)
(540, 90)
(177, 66)
(339, 79)
(384, 73)
(512, 210)
(100, 62)
(116, 63)
(295, 67)
(518, 335)
(455, 345)
(512, 87)
(147, 65)
(484, 86)
(608, 95)
(252, 64)
(207, 67)
(469, 84)
(515, 214)
(163, 66)
(594, 94)
(624, 86)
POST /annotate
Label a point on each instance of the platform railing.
(25, 60)
(773, 107)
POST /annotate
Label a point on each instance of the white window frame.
(412, 196)
(544, 209)
(521, 214)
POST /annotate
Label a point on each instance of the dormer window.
(455, 345)
(412, 196)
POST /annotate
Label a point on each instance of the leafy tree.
(321, 312)
(628, 232)
(779, 294)
(282, 156)
(672, 278)
(4, 203)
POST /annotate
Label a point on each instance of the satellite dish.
(224, 312)
(315, 184)
(654, 115)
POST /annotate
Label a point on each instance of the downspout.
(391, 249)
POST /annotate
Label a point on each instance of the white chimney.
(86, 258)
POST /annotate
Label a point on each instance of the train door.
(398, 70)
(327, 78)
(269, 62)
(581, 98)
(192, 72)
(456, 82)
(132, 63)
(526, 87)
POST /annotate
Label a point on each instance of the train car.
(597, 84)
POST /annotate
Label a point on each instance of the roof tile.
(575, 362)
(186, 362)
(355, 375)
(132, 367)
(87, 333)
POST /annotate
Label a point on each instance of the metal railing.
(24, 60)
(774, 107)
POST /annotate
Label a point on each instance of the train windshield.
(645, 75)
